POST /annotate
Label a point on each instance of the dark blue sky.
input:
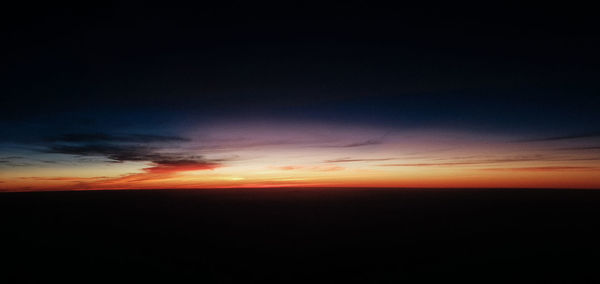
(512, 68)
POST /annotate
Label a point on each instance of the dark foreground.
(327, 235)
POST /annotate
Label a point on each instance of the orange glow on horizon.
(325, 158)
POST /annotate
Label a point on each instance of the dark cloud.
(125, 153)
(103, 137)
(12, 161)
(13, 164)
(121, 147)
(594, 134)
(118, 153)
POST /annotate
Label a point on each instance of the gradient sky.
(128, 96)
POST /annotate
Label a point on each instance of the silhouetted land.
(316, 235)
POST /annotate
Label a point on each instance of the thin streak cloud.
(594, 134)
(543, 169)
(350, 160)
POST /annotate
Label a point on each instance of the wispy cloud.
(157, 171)
(174, 166)
(289, 168)
(12, 158)
(362, 143)
(13, 161)
(311, 168)
(350, 160)
(579, 148)
(428, 164)
(74, 179)
(473, 160)
(368, 142)
(543, 169)
(593, 134)
(9, 163)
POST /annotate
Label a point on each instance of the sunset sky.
(269, 153)
(105, 100)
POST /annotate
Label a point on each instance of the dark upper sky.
(483, 66)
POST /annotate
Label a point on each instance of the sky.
(134, 95)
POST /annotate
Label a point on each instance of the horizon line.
(299, 187)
